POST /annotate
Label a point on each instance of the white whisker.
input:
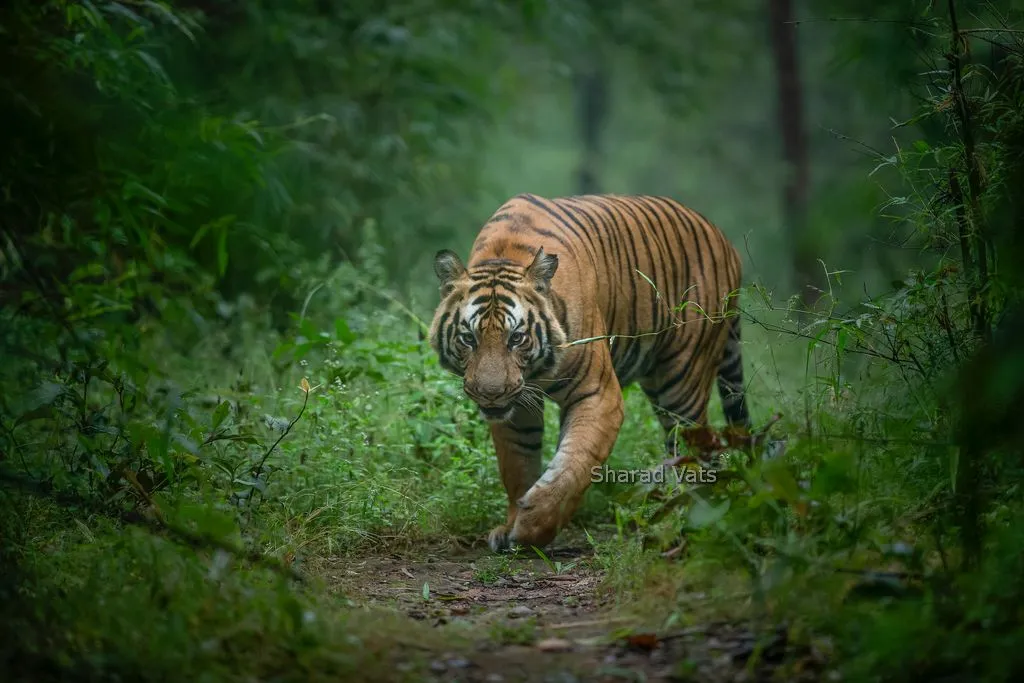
(531, 402)
(535, 388)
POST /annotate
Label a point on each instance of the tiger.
(573, 299)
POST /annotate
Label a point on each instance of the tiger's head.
(497, 328)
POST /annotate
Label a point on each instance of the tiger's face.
(495, 328)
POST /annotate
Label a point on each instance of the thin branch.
(259, 468)
(859, 20)
(991, 30)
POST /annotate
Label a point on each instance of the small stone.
(520, 611)
(438, 667)
(554, 645)
(459, 663)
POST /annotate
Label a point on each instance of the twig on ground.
(590, 622)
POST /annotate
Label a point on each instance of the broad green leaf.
(342, 332)
(703, 514)
(220, 414)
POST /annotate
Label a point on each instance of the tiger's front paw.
(539, 520)
(498, 539)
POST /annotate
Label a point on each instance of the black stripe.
(576, 399)
(536, 201)
(594, 232)
(488, 273)
(527, 445)
(561, 312)
(576, 373)
(673, 278)
(558, 386)
(708, 233)
(639, 230)
(523, 247)
(729, 366)
(678, 228)
(584, 208)
(675, 379)
(526, 430)
(615, 218)
(492, 283)
(496, 261)
(583, 235)
(566, 245)
(554, 210)
(499, 217)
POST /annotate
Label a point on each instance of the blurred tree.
(592, 85)
(794, 143)
(672, 48)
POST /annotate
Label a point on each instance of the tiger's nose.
(484, 392)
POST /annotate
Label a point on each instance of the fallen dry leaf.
(642, 641)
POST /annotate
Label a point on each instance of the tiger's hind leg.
(519, 444)
(730, 378)
(679, 386)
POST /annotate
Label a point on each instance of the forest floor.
(503, 618)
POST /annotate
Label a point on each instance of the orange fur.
(544, 274)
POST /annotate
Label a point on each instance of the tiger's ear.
(448, 268)
(542, 270)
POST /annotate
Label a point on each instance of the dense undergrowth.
(180, 459)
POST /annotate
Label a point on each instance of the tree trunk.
(794, 145)
(591, 91)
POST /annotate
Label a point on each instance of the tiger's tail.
(730, 378)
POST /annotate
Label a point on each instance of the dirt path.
(520, 619)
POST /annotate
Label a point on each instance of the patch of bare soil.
(526, 622)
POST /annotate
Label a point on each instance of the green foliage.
(109, 602)
(211, 384)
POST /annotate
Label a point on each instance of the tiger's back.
(609, 289)
(627, 265)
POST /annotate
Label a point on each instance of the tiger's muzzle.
(496, 403)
